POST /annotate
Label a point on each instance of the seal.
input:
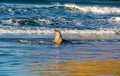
(58, 38)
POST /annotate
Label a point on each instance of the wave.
(36, 20)
(26, 21)
(115, 19)
(63, 31)
(60, 23)
(93, 9)
(15, 9)
(40, 19)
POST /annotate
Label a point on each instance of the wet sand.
(75, 68)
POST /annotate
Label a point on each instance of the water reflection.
(77, 68)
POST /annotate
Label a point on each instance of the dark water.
(35, 1)
(27, 34)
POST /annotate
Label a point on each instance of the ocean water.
(27, 34)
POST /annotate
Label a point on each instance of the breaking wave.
(14, 9)
(26, 21)
(63, 31)
(94, 9)
(115, 19)
(43, 19)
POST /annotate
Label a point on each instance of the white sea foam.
(7, 21)
(89, 32)
(10, 10)
(17, 21)
(115, 19)
(10, 21)
(51, 31)
(43, 21)
(94, 9)
(77, 22)
(22, 31)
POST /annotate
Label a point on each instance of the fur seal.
(58, 38)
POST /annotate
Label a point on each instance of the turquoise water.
(27, 34)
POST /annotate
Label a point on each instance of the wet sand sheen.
(73, 68)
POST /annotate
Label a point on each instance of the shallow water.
(36, 55)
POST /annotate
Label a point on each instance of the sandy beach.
(77, 68)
